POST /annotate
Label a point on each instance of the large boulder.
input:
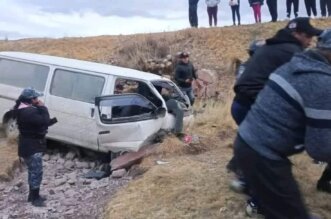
(206, 85)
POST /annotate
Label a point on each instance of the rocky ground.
(68, 193)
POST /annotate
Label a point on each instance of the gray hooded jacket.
(293, 111)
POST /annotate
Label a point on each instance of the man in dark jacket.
(33, 121)
(290, 115)
(272, 5)
(185, 73)
(192, 12)
(277, 51)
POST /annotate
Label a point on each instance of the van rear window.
(76, 85)
(21, 74)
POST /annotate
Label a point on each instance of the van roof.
(83, 65)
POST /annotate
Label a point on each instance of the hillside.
(194, 182)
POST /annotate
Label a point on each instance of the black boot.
(36, 200)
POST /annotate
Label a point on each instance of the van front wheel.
(11, 129)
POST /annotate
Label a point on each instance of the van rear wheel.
(11, 129)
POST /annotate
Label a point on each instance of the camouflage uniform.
(35, 170)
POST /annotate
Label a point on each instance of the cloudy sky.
(79, 18)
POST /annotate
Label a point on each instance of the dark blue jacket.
(293, 111)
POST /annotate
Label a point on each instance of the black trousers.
(295, 7)
(326, 175)
(272, 5)
(325, 4)
(311, 7)
(272, 182)
(193, 15)
(212, 14)
(235, 11)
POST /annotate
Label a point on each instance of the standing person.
(323, 183)
(311, 7)
(278, 50)
(235, 8)
(212, 8)
(272, 5)
(185, 73)
(33, 121)
(325, 4)
(256, 5)
(193, 12)
(290, 115)
(289, 4)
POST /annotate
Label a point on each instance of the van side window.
(126, 86)
(76, 85)
(20, 74)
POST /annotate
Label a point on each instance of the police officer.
(33, 121)
(185, 73)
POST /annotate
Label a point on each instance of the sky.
(81, 18)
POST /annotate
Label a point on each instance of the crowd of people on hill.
(212, 9)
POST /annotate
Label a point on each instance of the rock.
(87, 182)
(59, 182)
(69, 164)
(60, 160)
(70, 193)
(46, 157)
(69, 212)
(205, 86)
(5, 216)
(82, 165)
(92, 165)
(51, 192)
(70, 156)
(19, 183)
(71, 182)
(118, 173)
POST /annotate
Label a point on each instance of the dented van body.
(99, 107)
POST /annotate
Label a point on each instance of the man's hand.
(188, 80)
(40, 103)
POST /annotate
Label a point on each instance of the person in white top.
(212, 8)
(235, 7)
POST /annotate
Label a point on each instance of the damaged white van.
(98, 106)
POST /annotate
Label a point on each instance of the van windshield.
(172, 89)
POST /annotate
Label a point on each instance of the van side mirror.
(160, 112)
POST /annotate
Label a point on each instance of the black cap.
(302, 25)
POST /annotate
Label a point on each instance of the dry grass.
(8, 159)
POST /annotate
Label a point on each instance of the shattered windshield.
(172, 89)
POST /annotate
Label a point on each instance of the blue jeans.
(239, 112)
(189, 92)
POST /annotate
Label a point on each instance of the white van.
(98, 106)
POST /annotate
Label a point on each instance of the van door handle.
(104, 132)
(92, 112)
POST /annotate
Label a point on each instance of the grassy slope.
(194, 183)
